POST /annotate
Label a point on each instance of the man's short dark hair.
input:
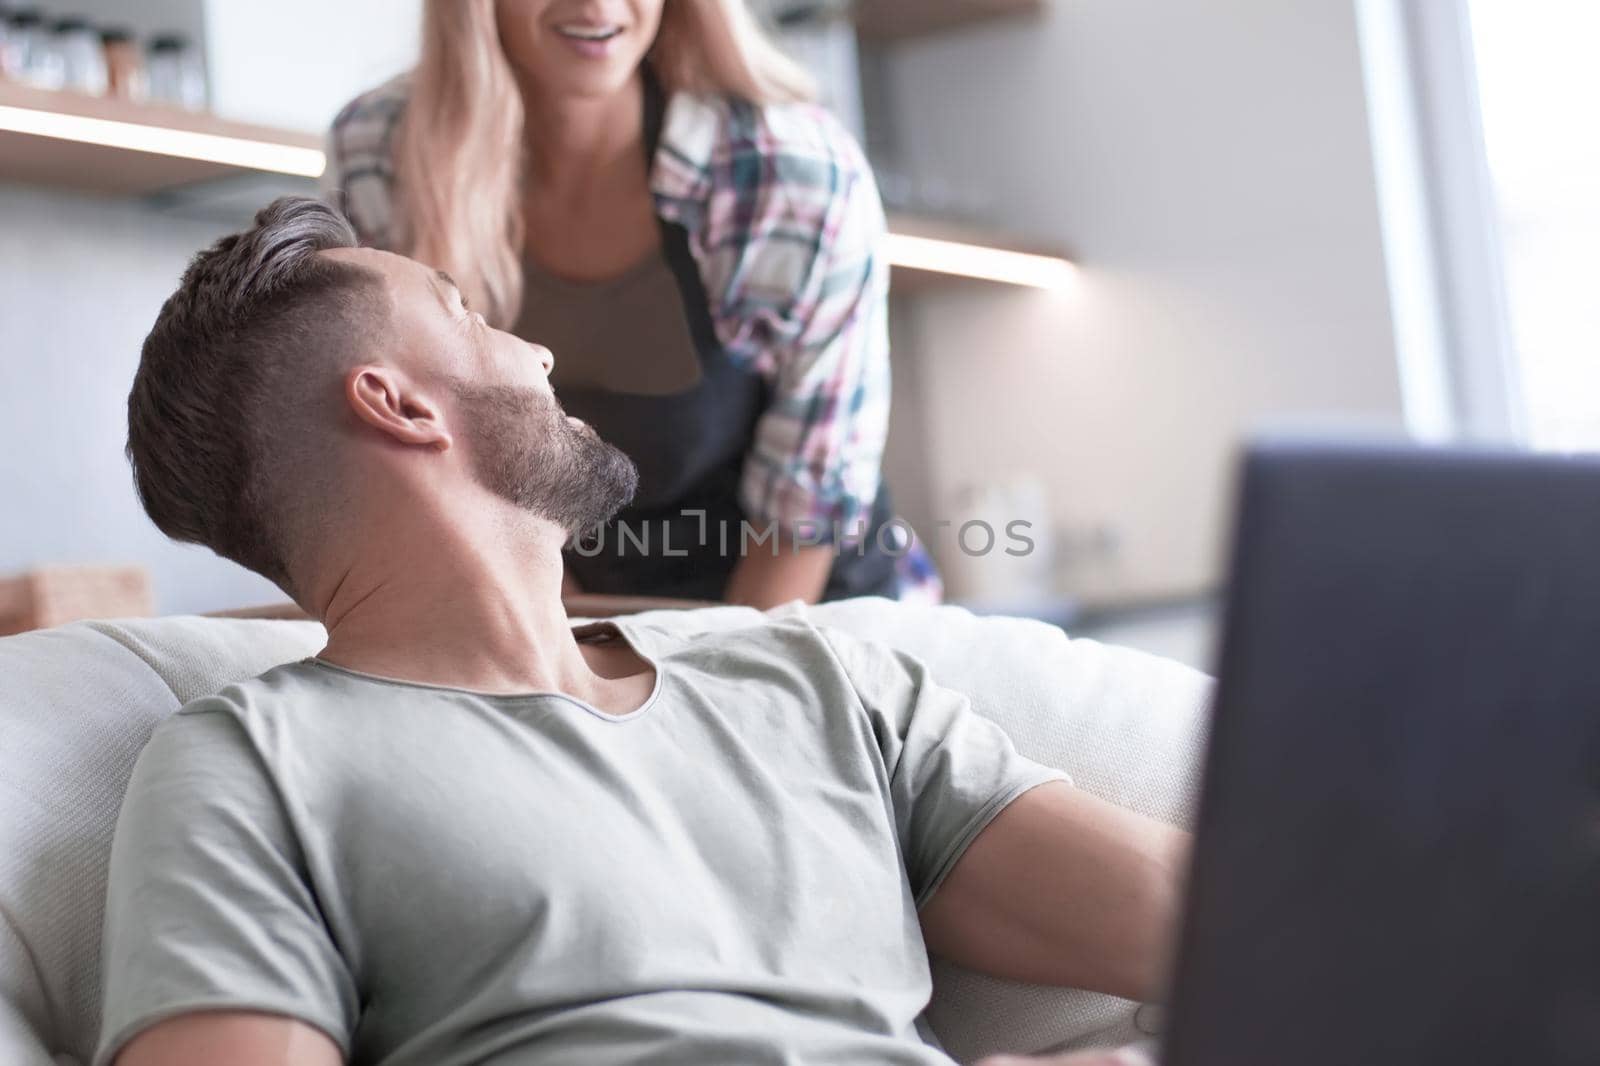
(238, 384)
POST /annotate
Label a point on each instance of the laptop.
(1398, 846)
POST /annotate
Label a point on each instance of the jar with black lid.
(34, 57)
(83, 60)
(175, 73)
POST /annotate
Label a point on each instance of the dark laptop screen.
(1398, 858)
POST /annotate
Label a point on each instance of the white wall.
(81, 280)
(294, 63)
(1208, 165)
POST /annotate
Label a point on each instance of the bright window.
(1539, 85)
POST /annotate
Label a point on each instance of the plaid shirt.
(785, 224)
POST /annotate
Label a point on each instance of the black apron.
(681, 536)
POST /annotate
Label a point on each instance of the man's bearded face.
(526, 450)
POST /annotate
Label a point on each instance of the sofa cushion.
(76, 709)
(78, 705)
(80, 701)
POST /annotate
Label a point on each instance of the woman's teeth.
(589, 33)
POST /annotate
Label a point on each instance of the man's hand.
(1120, 1057)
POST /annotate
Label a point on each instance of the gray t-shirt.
(730, 874)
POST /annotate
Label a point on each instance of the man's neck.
(440, 605)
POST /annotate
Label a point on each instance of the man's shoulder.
(796, 640)
(739, 627)
(243, 733)
(230, 714)
(282, 683)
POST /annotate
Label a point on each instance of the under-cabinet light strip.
(163, 140)
(978, 261)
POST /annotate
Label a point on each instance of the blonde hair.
(459, 155)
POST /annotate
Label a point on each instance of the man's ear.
(389, 403)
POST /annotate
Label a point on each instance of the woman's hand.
(763, 580)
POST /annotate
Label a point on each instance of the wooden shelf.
(891, 20)
(113, 147)
(95, 144)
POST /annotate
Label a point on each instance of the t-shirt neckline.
(580, 631)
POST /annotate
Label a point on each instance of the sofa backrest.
(78, 703)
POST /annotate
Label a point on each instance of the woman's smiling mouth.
(580, 32)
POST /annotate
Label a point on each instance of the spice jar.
(175, 73)
(32, 51)
(125, 78)
(83, 61)
(6, 62)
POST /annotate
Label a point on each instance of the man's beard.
(524, 450)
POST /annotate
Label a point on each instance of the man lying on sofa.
(468, 833)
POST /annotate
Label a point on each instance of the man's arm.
(238, 1038)
(1064, 889)
(214, 937)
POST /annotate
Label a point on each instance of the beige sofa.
(78, 702)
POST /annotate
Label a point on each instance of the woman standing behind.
(642, 187)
